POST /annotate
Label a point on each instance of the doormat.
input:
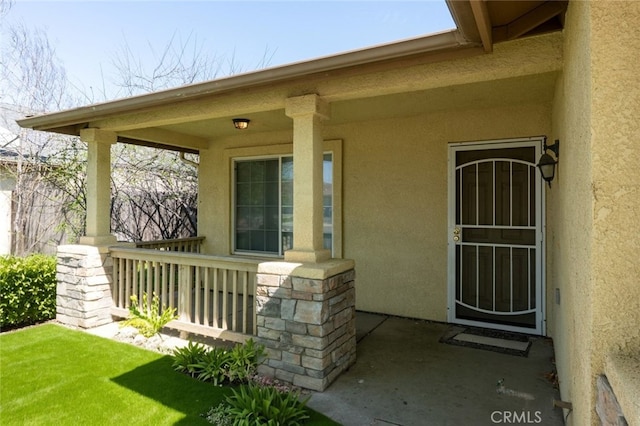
(489, 340)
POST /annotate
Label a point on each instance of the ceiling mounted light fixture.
(241, 123)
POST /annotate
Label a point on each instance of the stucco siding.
(616, 181)
(395, 163)
(594, 204)
(395, 201)
(570, 218)
(394, 197)
(616, 184)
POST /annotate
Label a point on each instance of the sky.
(88, 34)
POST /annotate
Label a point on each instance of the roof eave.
(67, 121)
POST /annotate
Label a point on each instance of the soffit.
(493, 21)
(529, 89)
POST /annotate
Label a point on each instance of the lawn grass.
(52, 375)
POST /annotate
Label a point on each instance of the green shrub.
(186, 359)
(219, 365)
(27, 290)
(149, 320)
(214, 366)
(243, 360)
(256, 405)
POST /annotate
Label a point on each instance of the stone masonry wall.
(308, 327)
(607, 405)
(84, 286)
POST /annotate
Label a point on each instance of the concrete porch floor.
(404, 376)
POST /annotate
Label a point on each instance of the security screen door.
(495, 235)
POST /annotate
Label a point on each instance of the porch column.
(84, 271)
(99, 143)
(307, 113)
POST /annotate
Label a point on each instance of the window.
(264, 205)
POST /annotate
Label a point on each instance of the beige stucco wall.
(394, 197)
(594, 206)
(395, 168)
(395, 201)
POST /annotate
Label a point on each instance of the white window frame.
(233, 155)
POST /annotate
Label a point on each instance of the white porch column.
(98, 186)
(307, 113)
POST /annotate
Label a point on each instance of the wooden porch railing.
(214, 296)
(187, 245)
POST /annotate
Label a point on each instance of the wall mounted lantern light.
(241, 123)
(547, 163)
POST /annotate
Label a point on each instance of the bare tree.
(154, 192)
(32, 80)
(33, 76)
(179, 62)
(154, 195)
(5, 6)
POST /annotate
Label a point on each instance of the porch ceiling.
(520, 90)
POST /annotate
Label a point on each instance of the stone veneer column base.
(84, 285)
(306, 320)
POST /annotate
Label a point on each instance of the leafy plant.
(213, 367)
(27, 290)
(219, 365)
(150, 320)
(186, 358)
(244, 359)
(255, 405)
(219, 415)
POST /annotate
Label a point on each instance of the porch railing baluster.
(139, 278)
(164, 277)
(183, 292)
(149, 281)
(206, 297)
(128, 283)
(216, 311)
(234, 302)
(225, 299)
(172, 285)
(196, 307)
(245, 300)
(254, 311)
(122, 275)
(214, 296)
(156, 279)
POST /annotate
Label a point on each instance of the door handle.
(456, 234)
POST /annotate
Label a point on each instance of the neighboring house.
(7, 186)
(414, 164)
(29, 212)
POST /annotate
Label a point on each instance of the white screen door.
(495, 235)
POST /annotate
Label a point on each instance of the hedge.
(27, 290)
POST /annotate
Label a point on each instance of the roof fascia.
(465, 19)
(67, 121)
